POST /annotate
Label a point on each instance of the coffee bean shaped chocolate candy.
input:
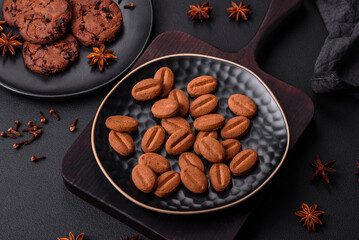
(231, 148)
(120, 123)
(209, 122)
(165, 76)
(156, 162)
(165, 108)
(242, 105)
(212, 150)
(244, 162)
(202, 85)
(188, 158)
(122, 143)
(146, 89)
(153, 139)
(203, 105)
(144, 178)
(220, 177)
(194, 179)
(174, 123)
(235, 127)
(180, 141)
(182, 99)
(201, 135)
(167, 184)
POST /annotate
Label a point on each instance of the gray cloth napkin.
(337, 66)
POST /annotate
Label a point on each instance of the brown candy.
(182, 99)
(244, 162)
(242, 105)
(165, 108)
(203, 105)
(235, 127)
(174, 123)
(212, 150)
(165, 76)
(167, 184)
(156, 162)
(202, 85)
(153, 139)
(200, 135)
(209, 122)
(146, 89)
(180, 141)
(188, 158)
(144, 178)
(122, 123)
(231, 148)
(122, 143)
(194, 179)
(220, 176)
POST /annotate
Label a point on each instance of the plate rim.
(192, 211)
(90, 90)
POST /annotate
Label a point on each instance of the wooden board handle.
(277, 12)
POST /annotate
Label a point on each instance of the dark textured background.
(34, 203)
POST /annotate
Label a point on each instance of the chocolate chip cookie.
(43, 22)
(12, 9)
(51, 58)
(95, 21)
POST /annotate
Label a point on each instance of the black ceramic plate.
(269, 134)
(80, 78)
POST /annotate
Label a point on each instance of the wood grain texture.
(83, 177)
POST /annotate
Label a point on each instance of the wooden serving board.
(83, 177)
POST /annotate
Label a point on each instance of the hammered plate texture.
(268, 134)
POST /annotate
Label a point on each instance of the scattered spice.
(39, 131)
(19, 144)
(309, 216)
(4, 134)
(16, 125)
(71, 237)
(32, 124)
(239, 11)
(131, 5)
(34, 158)
(200, 11)
(42, 118)
(132, 238)
(54, 114)
(73, 126)
(33, 138)
(322, 169)
(29, 129)
(101, 56)
(1, 23)
(12, 131)
(8, 43)
(357, 173)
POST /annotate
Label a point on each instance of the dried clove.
(4, 134)
(19, 144)
(73, 126)
(42, 118)
(35, 158)
(54, 114)
(12, 131)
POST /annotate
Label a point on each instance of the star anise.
(322, 169)
(239, 11)
(200, 11)
(101, 56)
(1, 23)
(72, 237)
(8, 43)
(132, 238)
(357, 173)
(309, 216)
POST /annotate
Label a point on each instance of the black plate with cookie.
(268, 136)
(80, 78)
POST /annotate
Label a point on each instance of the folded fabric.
(337, 66)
